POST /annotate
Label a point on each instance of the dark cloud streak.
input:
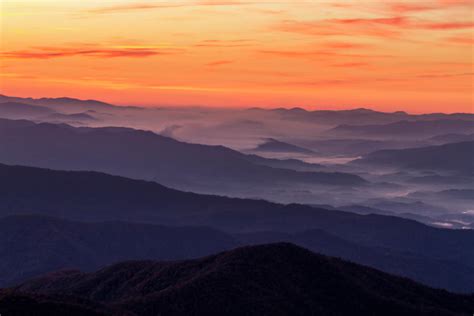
(58, 52)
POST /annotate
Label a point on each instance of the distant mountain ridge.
(274, 145)
(84, 116)
(115, 197)
(145, 155)
(15, 110)
(453, 138)
(78, 197)
(418, 129)
(276, 279)
(40, 113)
(54, 101)
(457, 157)
(360, 116)
(64, 104)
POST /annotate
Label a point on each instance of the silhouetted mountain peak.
(274, 145)
(363, 110)
(66, 104)
(274, 279)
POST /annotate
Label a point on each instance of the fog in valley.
(352, 142)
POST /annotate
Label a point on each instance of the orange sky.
(387, 55)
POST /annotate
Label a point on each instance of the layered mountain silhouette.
(354, 147)
(145, 155)
(15, 110)
(274, 145)
(292, 164)
(118, 231)
(63, 105)
(96, 196)
(362, 116)
(328, 117)
(448, 157)
(276, 279)
(452, 138)
(84, 116)
(461, 194)
(33, 245)
(442, 258)
(417, 129)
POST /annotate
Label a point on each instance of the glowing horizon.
(388, 56)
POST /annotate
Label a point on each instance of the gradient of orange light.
(254, 64)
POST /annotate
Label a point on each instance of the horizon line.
(234, 107)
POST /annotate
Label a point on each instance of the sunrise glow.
(387, 55)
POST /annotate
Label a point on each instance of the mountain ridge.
(145, 155)
(248, 281)
(447, 157)
(96, 197)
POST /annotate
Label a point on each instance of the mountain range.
(62, 105)
(456, 157)
(361, 115)
(403, 129)
(145, 155)
(127, 211)
(32, 245)
(274, 145)
(438, 257)
(15, 110)
(275, 279)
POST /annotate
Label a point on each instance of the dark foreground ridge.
(275, 279)
(31, 245)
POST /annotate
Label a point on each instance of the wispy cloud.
(327, 50)
(467, 39)
(350, 65)
(404, 7)
(87, 51)
(152, 5)
(131, 7)
(445, 75)
(391, 21)
(224, 43)
(219, 63)
(386, 27)
(313, 54)
(292, 53)
(356, 81)
(445, 25)
(315, 83)
(404, 22)
(270, 11)
(346, 45)
(121, 84)
(335, 27)
(14, 75)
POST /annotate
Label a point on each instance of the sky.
(387, 55)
